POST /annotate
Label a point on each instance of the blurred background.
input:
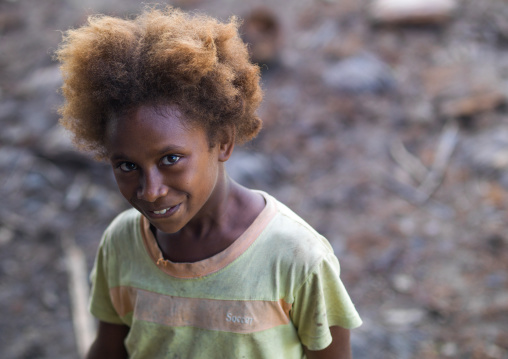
(384, 127)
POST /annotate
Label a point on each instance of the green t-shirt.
(275, 288)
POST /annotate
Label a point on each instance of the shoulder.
(123, 237)
(293, 237)
(124, 225)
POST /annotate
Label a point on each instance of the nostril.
(152, 187)
(151, 194)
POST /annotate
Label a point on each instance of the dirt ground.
(391, 140)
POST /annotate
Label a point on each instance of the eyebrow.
(117, 156)
(172, 148)
(165, 150)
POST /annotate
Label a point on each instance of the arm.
(340, 347)
(109, 342)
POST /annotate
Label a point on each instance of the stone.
(464, 90)
(403, 283)
(487, 152)
(412, 11)
(449, 349)
(249, 168)
(56, 144)
(10, 21)
(443, 80)
(472, 104)
(261, 31)
(362, 73)
(403, 317)
(41, 81)
(6, 236)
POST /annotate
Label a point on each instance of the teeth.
(161, 212)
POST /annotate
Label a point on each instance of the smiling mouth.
(162, 211)
(165, 211)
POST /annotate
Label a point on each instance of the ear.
(226, 143)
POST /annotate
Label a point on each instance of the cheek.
(202, 178)
(211, 178)
(126, 187)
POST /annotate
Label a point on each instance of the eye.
(127, 166)
(170, 160)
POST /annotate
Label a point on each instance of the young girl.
(201, 267)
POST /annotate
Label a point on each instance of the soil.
(391, 140)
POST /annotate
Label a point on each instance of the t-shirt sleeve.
(321, 302)
(100, 303)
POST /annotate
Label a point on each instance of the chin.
(165, 228)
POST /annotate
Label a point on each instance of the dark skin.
(193, 247)
(110, 339)
(340, 348)
(179, 182)
(109, 342)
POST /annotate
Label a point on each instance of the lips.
(163, 212)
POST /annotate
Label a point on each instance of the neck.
(213, 217)
(217, 228)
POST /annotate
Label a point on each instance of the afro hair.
(161, 57)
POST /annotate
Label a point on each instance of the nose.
(152, 186)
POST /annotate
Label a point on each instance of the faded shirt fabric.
(275, 288)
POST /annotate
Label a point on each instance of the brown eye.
(128, 166)
(170, 160)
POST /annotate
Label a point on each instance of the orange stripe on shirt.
(236, 316)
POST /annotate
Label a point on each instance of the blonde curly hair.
(161, 57)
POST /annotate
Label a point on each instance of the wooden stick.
(76, 192)
(410, 163)
(416, 197)
(447, 143)
(84, 326)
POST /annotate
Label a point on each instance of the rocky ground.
(387, 133)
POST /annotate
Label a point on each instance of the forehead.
(148, 127)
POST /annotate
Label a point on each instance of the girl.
(201, 267)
